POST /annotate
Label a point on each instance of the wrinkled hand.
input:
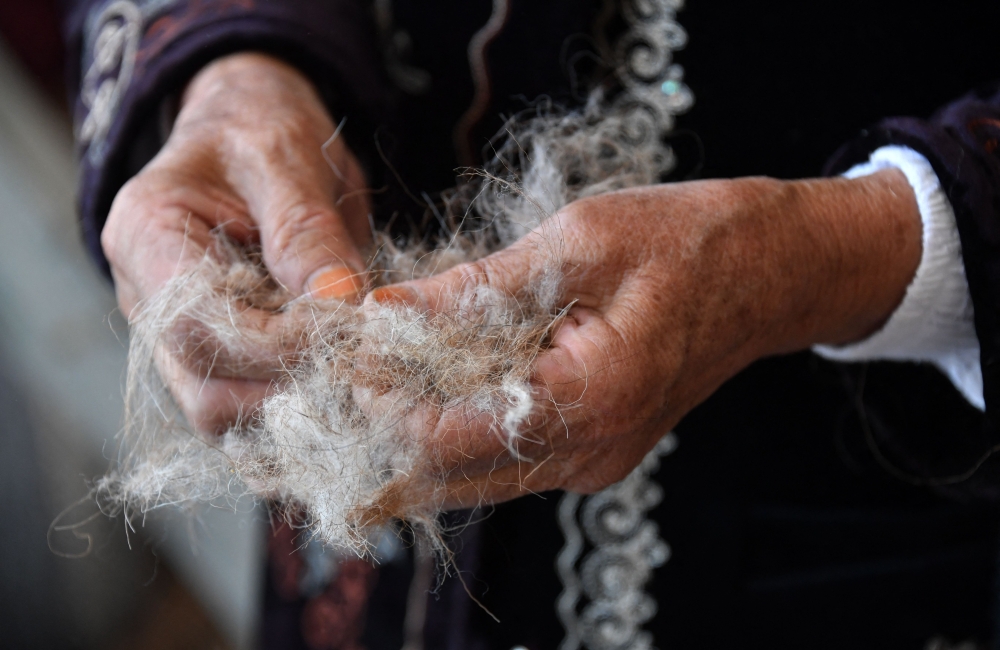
(245, 155)
(674, 289)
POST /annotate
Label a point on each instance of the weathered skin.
(245, 154)
(674, 288)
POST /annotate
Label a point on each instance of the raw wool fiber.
(315, 446)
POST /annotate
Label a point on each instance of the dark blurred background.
(31, 33)
(181, 581)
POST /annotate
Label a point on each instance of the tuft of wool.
(316, 445)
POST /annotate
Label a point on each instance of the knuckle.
(472, 274)
(212, 406)
(298, 220)
(193, 346)
(129, 197)
(205, 417)
(500, 272)
(109, 241)
(196, 397)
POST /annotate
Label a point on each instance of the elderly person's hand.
(245, 155)
(673, 289)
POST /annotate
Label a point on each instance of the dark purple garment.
(961, 143)
(332, 41)
(788, 531)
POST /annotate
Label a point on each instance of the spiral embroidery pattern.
(626, 547)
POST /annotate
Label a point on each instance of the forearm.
(854, 247)
(779, 266)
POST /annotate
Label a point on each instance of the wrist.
(851, 248)
(247, 85)
(239, 69)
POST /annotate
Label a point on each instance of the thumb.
(508, 271)
(307, 243)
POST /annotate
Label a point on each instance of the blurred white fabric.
(63, 345)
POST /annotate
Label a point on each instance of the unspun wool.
(316, 446)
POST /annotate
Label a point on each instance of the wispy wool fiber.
(317, 445)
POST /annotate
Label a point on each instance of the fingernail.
(333, 282)
(395, 296)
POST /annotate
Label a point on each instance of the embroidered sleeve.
(128, 56)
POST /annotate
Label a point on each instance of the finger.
(463, 446)
(456, 447)
(307, 244)
(156, 236)
(509, 272)
(260, 345)
(159, 226)
(274, 150)
(308, 250)
(211, 405)
(583, 345)
(465, 440)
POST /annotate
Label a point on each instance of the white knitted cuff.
(934, 323)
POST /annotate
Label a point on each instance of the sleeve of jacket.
(962, 144)
(128, 57)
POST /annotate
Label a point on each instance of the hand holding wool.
(600, 318)
(669, 290)
(246, 156)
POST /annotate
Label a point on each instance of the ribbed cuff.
(934, 323)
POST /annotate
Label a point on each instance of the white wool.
(316, 445)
